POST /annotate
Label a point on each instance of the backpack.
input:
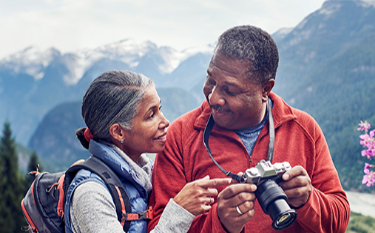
(43, 204)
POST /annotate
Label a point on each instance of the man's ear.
(117, 132)
(267, 87)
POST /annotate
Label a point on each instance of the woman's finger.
(206, 183)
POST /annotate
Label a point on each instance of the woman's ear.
(267, 87)
(117, 132)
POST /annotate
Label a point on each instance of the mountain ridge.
(33, 60)
(35, 81)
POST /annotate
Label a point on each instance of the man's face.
(236, 101)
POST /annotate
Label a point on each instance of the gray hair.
(254, 45)
(113, 97)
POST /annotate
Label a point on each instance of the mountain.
(32, 81)
(339, 94)
(327, 68)
(320, 37)
(55, 139)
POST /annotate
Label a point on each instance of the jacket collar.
(125, 168)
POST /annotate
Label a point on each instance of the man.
(240, 77)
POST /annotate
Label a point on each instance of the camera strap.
(271, 144)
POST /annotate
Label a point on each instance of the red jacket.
(298, 140)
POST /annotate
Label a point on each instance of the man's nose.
(215, 98)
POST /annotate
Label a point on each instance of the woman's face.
(149, 129)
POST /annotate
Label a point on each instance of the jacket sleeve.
(169, 178)
(93, 209)
(174, 219)
(327, 209)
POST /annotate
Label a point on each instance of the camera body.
(264, 170)
(270, 195)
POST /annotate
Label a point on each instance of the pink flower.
(372, 133)
(366, 153)
(364, 138)
(367, 170)
(369, 179)
(367, 140)
(364, 126)
(370, 153)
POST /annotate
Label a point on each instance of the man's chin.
(221, 120)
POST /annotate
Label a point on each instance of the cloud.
(69, 25)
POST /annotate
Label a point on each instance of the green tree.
(12, 187)
(32, 167)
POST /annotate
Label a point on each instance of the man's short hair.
(251, 44)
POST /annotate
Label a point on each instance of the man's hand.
(297, 186)
(235, 196)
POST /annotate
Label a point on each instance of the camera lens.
(272, 199)
(281, 214)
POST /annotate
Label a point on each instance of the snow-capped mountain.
(36, 80)
(33, 61)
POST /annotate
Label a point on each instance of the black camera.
(270, 195)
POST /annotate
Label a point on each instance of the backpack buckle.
(144, 215)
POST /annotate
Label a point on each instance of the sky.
(70, 25)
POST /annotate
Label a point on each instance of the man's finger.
(295, 171)
(235, 189)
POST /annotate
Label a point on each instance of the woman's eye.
(155, 111)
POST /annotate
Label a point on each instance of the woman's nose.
(164, 122)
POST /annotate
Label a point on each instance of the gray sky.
(68, 25)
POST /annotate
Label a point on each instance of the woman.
(122, 112)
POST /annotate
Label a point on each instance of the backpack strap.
(114, 185)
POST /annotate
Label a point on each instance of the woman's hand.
(198, 196)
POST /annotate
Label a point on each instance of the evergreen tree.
(32, 167)
(2, 186)
(11, 185)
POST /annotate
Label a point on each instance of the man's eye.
(210, 81)
(229, 92)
